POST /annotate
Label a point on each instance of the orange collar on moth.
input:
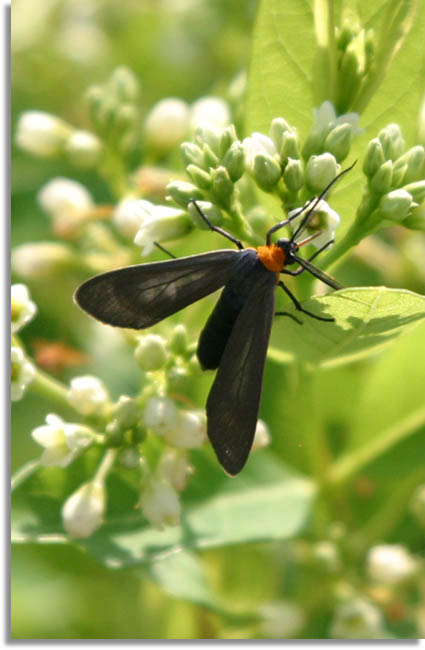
(272, 257)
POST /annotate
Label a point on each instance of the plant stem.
(50, 388)
(353, 462)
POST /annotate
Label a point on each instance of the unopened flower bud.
(22, 373)
(320, 171)
(182, 192)
(414, 158)
(293, 175)
(212, 213)
(416, 218)
(192, 154)
(175, 468)
(390, 564)
(87, 395)
(208, 133)
(266, 171)
(210, 158)
(128, 216)
(125, 84)
(278, 127)
(209, 110)
(416, 190)
(178, 341)
(382, 179)
(160, 503)
(166, 124)
(39, 260)
(200, 178)
(392, 141)
(234, 161)
(84, 149)
(222, 186)
(374, 157)
(68, 203)
(262, 436)
(289, 147)
(160, 223)
(129, 458)
(42, 134)
(398, 173)
(82, 512)
(126, 412)
(151, 353)
(189, 432)
(227, 138)
(23, 309)
(177, 379)
(161, 414)
(338, 141)
(395, 205)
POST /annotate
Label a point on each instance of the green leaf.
(367, 319)
(266, 502)
(181, 575)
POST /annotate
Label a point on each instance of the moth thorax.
(272, 257)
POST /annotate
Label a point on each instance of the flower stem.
(353, 462)
(50, 388)
(105, 465)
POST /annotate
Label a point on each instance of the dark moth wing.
(234, 399)
(140, 296)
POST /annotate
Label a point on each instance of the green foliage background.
(356, 427)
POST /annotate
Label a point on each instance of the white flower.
(325, 119)
(174, 467)
(40, 259)
(190, 432)
(161, 414)
(128, 215)
(160, 503)
(22, 373)
(82, 512)
(209, 110)
(62, 441)
(87, 394)
(323, 219)
(262, 436)
(281, 619)
(258, 143)
(67, 202)
(41, 133)
(83, 149)
(357, 619)
(166, 124)
(390, 564)
(23, 308)
(160, 223)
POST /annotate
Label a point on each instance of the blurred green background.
(188, 49)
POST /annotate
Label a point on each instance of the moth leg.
(300, 308)
(216, 228)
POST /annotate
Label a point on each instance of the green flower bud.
(182, 192)
(399, 173)
(266, 171)
(177, 380)
(381, 181)
(416, 219)
(395, 205)
(212, 213)
(192, 154)
(166, 124)
(178, 341)
(126, 412)
(209, 134)
(258, 219)
(320, 171)
(125, 84)
(211, 160)
(151, 353)
(414, 159)
(312, 146)
(289, 146)
(129, 458)
(227, 138)
(126, 117)
(114, 434)
(293, 175)
(392, 141)
(416, 190)
(338, 141)
(199, 177)
(278, 127)
(374, 157)
(222, 186)
(234, 161)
